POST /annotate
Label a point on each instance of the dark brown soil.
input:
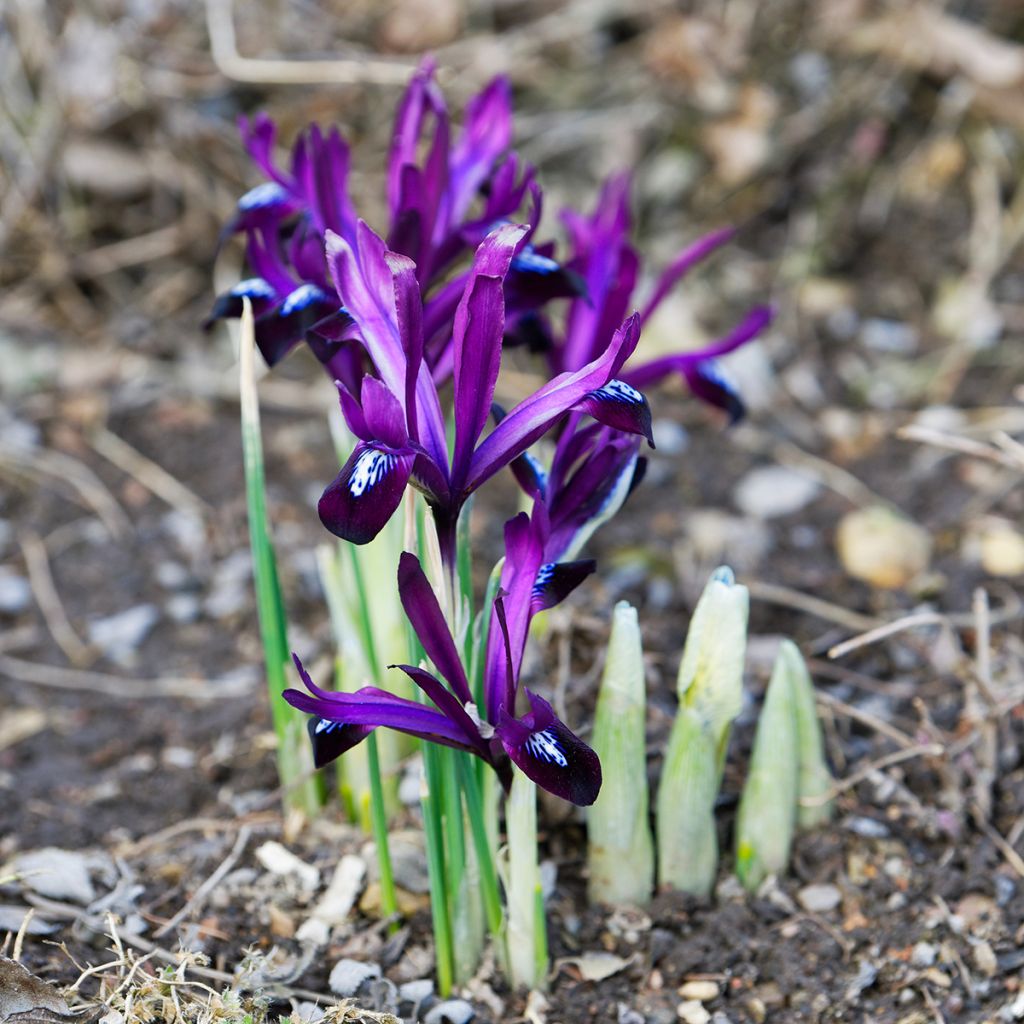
(851, 222)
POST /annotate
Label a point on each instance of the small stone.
(889, 336)
(692, 1012)
(451, 1011)
(15, 593)
(819, 899)
(336, 903)
(922, 955)
(57, 874)
(183, 608)
(770, 491)
(869, 828)
(119, 636)
(278, 860)
(702, 991)
(348, 975)
(417, 991)
(882, 548)
(984, 958)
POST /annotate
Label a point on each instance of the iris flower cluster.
(415, 322)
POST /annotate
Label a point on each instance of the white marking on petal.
(261, 196)
(544, 746)
(300, 298)
(620, 391)
(371, 467)
(485, 729)
(325, 725)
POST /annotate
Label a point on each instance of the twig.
(151, 475)
(231, 64)
(40, 579)
(118, 686)
(1011, 856)
(787, 597)
(199, 896)
(19, 939)
(918, 750)
(866, 718)
(961, 445)
(889, 629)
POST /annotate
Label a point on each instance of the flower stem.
(432, 826)
(294, 759)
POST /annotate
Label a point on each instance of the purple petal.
(486, 134)
(332, 739)
(619, 405)
(710, 383)
(383, 413)
(550, 754)
(449, 705)
(280, 329)
(263, 205)
(479, 325)
(557, 580)
(258, 136)
(682, 264)
(325, 182)
(428, 622)
(366, 493)
(535, 415)
(229, 304)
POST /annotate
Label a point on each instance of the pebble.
(670, 437)
(770, 491)
(119, 636)
(882, 548)
(416, 992)
(819, 899)
(230, 590)
(922, 955)
(15, 593)
(692, 1012)
(702, 991)
(869, 828)
(336, 903)
(278, 860)
(57, 874)
(348, 975)
(890, 336)
(183, 608)
(1005, 889)
(811, 74)
(451, 1011)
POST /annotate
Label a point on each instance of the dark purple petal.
(710, 383)
(529, 330)
(557, 580)
(550, 754)
(478, 328)
(228, 306)
(280, 329)
(619, 405)
(449, 705)
(324, 180)
(535, 415)
(428, 622)
(258, 136)
(366, 493)
(332, 739)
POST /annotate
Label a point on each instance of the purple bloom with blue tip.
(516, 726)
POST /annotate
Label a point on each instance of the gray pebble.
(451, 1011)
(416, 991)
(869, 828)
(120, 635)
(183, 608)
(348, 975)
(15, 593)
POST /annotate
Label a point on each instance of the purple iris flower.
(535, 739)
(396, 413)
(441, 207)
(609, 266)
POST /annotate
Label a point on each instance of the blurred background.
(871, 154)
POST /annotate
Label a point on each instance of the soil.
(863, 201)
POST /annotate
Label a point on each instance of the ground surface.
(877, 187)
